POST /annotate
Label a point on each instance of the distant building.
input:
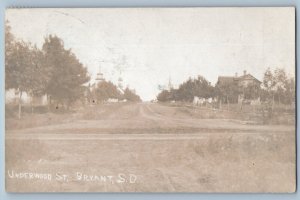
(90, 93)
(242, 81)
(99, 77)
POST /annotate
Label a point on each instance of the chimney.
(245, 72)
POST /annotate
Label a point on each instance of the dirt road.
(149, 147)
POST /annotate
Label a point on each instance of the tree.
(278, 87)
(228, 92)
(269, 86)
(195, 87)
(38, 75)
(9, 57)
(23, 71)
(281, 82)
(290, 91)
(164, 96)
(23, 67)
(67, 74)
(187, 90)
(106, 90)
(18, 71)
(174, 94)
(131, 95)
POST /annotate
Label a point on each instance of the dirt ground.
(148, 147)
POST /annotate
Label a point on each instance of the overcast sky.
(146, 47)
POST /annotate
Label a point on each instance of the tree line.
(276, 87)
(187, 90)
(51, 70)
(106, 90)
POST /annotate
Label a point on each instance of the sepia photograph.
(150, 100)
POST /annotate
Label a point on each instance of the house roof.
(249, 77)
(230, 79)
(227, 79)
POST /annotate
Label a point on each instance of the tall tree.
(24, 71)
(281, 82)
(23, 67)
(278, 86)
(269, 85)
(290, 93)
(9, 57)
(67, 74)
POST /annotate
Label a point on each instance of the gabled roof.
(230, 79)
(249, 77)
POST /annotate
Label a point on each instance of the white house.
(12, 96)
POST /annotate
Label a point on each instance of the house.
(242, 82)
(12, 96)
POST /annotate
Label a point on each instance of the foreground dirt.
(151, 148)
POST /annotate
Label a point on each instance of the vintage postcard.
(150, 100)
